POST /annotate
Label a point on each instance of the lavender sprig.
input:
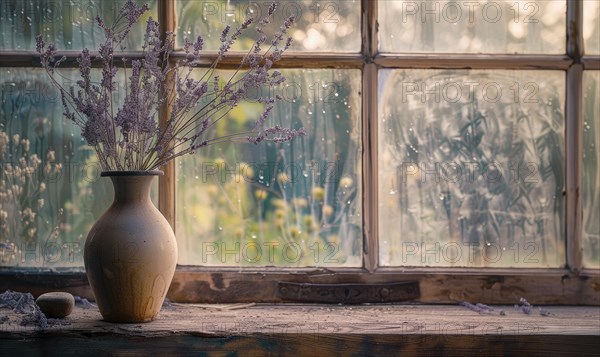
(482, 308)
(524, 305)
(527, 308)
(129, 137)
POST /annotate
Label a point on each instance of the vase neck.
(130, 189)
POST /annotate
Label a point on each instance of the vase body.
(130, 253)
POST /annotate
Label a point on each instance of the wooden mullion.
(474, 61)
(369, 135)
(591, 62)
(370, 167)
(573, 166)
(574, 136)
(291, 59)
(166, 183)
(369, 29)
(575, 45)
(13, 58)
(232, 61)
(344, 60)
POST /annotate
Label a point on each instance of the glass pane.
(320, 25)
(591, 170)
(500, 26)
(471, 168)
(291, 204)
(50, 186)
(591, 26)
(70, 24)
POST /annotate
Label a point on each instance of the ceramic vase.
(130, 253)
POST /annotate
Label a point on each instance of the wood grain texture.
(574, 166)
(166, 184)
(316, 330)
(539, 288)
(306, 59)
(207, 285)
(369, 167)
(473, 61)
(591, 62)
(291, 59)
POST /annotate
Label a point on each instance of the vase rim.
(133, 173)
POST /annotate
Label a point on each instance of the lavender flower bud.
(224, 33)
(39, 43)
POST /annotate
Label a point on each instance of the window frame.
(570, 284)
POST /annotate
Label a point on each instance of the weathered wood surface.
(205, 285)
(539, 287)
(315, 330)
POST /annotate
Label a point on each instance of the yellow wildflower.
(318, 193)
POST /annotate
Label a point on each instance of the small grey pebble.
(56, 304)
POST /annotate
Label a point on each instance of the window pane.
(291, 204)
(471, 168)
(591, 171)
(320, 25)
(48, 206)
(73, 196)
(591, 26)
(501, 26)
(70, 24)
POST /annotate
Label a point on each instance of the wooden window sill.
(375, 330)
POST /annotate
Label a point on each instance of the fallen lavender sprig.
(24, 305)
(527, 308)
(544, 312)
(481, 308)
(83, 303)
(129, 137)
(524, 305)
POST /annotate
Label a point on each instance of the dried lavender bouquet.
(129, 137)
